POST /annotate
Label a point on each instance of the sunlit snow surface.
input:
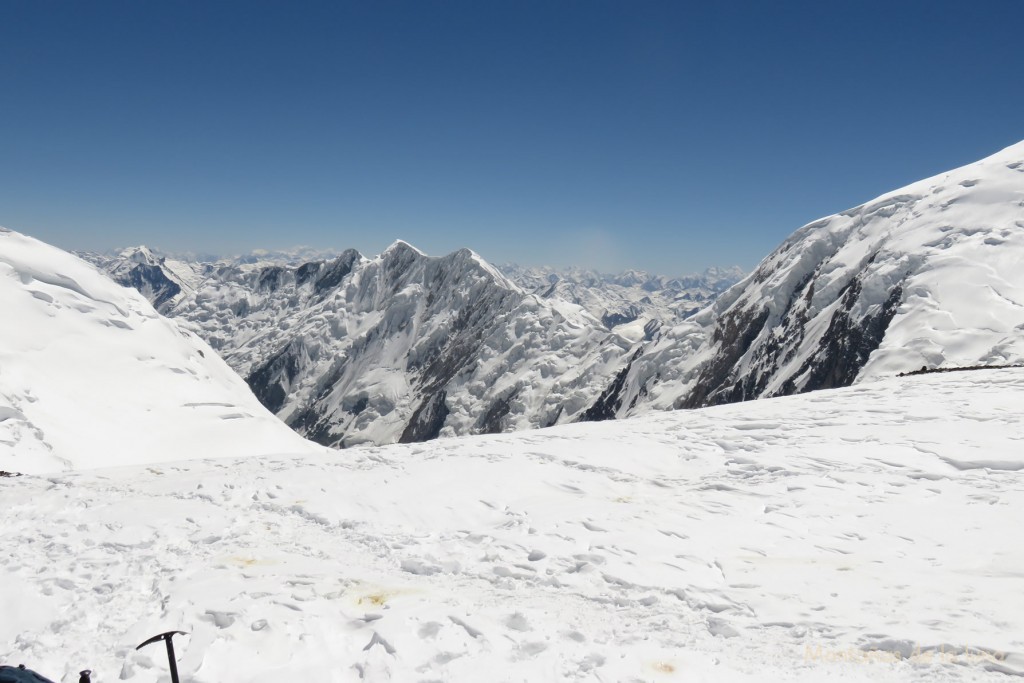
(91, 375)
(817, 537)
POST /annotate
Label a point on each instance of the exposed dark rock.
(734, 335)
(440, 361)
(491, 422)
(271, 382)
(841, 353)
(552, 419)
(847, 344)
(360, 405)
(927, 371)
(627, 315)
(317, 428)
(270, 279)
(307, 271)
(144, 276)
(608, 403)
(427, 421)
(240, 308)
(335, 271)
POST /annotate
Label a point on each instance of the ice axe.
(166, 637)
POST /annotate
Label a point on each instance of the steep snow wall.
(91, 375)
(928, 275)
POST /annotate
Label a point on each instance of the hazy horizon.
(304, 252)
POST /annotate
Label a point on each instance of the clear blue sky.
(657, 135)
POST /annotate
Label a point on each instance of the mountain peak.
(401, 246)
(139, 254)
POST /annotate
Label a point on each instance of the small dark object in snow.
(925, 370)
(19, 674)
(84, 676)
(4, 473)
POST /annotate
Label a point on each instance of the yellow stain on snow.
(376, 599)
(367, 595)
(665, 668)
(249, 561)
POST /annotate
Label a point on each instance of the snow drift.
(91, 375)
(858, 534)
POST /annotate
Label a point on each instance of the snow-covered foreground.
(869, 533)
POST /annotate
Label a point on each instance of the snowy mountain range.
(163, 281)
(400, 347)
(92, 376)
(406, 347)
(633, 303)
(925, 276)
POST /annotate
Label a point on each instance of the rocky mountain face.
(162, 280)
(634, 303)
(401, 347)
(406, 347)
(929, 275)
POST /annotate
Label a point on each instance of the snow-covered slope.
(858, 534)
(401, 347)
(633, 303)
(929, 275)
(92, 376)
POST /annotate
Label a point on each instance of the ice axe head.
(166, 637)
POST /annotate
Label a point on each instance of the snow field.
(863, 534)
(91, 375)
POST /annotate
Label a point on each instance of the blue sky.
(660, 135)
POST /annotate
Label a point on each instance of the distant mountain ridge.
(634, 302)
(400, 347)
(614, 298)
(408, 347)
(163, 280)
